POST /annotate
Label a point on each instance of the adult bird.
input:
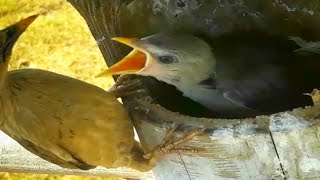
(64, 120)
(237, 75)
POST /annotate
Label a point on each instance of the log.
(280, 146)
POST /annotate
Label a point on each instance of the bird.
(63, 120)
(69, 122)
(236, 75)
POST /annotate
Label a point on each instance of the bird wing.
(306, 47)
(49, 156)
(265, 72)
(54, 115)
(262, 91)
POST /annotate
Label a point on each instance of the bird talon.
(169, 146)
(127, 81)
(125, 87)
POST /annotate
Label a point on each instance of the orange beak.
(133, 62)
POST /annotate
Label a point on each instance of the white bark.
(245, 151)
(287, 147)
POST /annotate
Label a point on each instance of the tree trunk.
(280, 146)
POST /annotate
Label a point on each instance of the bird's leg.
(125, 87)
(169, 146)
(146, 162)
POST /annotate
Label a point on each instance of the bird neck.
(5, 96)
(3, 75)
(195, 90)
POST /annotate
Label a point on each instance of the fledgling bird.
(235, 76)
(64, 120)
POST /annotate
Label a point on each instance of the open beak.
(132, 63)
(11, 34)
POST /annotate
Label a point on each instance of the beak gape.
(132, 63)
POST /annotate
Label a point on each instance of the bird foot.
(169, 146)
(125, 86)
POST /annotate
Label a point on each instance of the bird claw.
(169, 146)
(125, 86)
(127, 80)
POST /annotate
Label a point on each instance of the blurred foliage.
(60, 41)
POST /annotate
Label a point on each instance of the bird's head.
(10, 35)
(180, 60)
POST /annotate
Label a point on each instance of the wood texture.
(282, 146)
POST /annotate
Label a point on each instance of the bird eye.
(167, 59)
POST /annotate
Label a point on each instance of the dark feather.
(262, 72)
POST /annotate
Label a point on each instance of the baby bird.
(64, 120)
(235, 76)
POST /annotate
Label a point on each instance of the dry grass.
(59, 41)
